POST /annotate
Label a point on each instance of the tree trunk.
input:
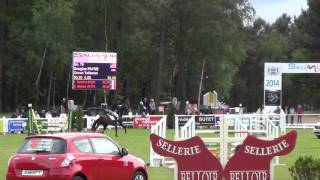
(68, 81)
(49, 91)
(160, 59)
(179, 69)
(200, 84)
(3, 51)
(54, 94)
(41, 67)
(16, 92)
(1, 84)
(105, 25)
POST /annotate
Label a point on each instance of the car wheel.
(78, 178)
(318, 137)
(139, 176)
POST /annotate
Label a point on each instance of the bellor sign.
(250, 162)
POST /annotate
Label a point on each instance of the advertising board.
(141, 122)
(94, 70)
(17, 125)
(273, 80)
(251, 160)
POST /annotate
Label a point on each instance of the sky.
(270, 10)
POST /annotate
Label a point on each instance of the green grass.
(307, 144)
(138, 144)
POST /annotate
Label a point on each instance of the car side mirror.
(124, 152)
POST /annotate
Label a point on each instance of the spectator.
(64, 106)
(23, 113)
(48, 114)
(187, 110)
(142, 108)
(152, 106)
(42, 113)
(299, 110)
(36, 114)
(15, 114)
(146, 104)
(292, 112)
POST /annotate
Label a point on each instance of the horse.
(105, 119)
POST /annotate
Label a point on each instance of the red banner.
(251, 161)
(142, 122)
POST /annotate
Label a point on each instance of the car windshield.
(43, 145)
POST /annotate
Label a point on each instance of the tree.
(52, 42)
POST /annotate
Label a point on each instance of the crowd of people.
(42, 113)
(147, 106)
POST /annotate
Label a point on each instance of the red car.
(74, 156)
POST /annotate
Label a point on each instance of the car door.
(86, 157)
(112, 165)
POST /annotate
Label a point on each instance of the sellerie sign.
(250, 162)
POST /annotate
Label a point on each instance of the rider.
(112, 112)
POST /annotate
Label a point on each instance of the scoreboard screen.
(94, 70)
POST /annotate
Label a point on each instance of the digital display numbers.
(94, 70)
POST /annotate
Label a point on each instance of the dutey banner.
(251, 161)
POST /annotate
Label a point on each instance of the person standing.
(286, 112)
(152, 106)
(292, 112)
(64, 106)
(142, 109)
(299, 111)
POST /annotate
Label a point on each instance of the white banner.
(273, 79)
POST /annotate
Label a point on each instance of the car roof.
(69, 135)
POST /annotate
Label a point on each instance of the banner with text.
(273, 79)
(94, 70)
(141, 122)
(251, 160)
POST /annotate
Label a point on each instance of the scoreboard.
(94, 70)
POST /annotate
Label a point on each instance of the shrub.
(79, 120)
(305, 168)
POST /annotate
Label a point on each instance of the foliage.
(305, 168)
(78, 118)
(161, 45)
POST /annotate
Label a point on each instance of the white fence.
(18, 125)
(159, 129)
(239, 124)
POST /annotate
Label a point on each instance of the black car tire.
(318, 136)
(139, 176)
(78, 178)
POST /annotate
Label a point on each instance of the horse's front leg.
(125, 127)
(94, 126)
(116, 127)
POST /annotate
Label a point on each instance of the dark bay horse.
(106, 119)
